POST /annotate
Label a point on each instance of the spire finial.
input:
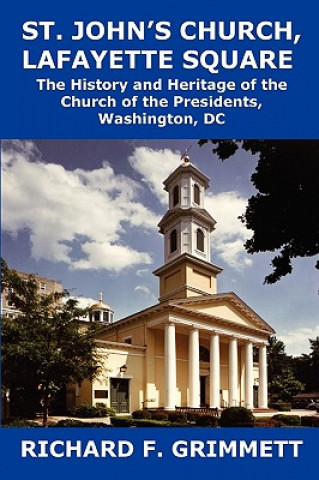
(101, 297)
(185, 157)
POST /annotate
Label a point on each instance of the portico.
(240, 359)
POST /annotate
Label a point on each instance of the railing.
(212, 411)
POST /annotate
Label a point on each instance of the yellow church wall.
(199, 278)
(83, 393)
(121, 332)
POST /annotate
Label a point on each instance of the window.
(9, 297)
(173, 241)
(106, 317)
(128, 340)
(175, 195)
(96, 316)
(204, 354)
(196, 194)
(43, 286)
(200, 240)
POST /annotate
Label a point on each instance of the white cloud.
(144, 290)
(230, 234)
(155, 166)
(142, 272)
(63, 209)
(297, 341)
(85, 302)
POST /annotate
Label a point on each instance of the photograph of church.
(196, 347)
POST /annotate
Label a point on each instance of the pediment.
(228, 307)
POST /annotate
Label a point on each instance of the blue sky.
(86, 211)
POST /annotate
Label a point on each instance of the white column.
(170, 367)
(193, 369)
(214, 397)
(233, 373)
(263, 387)
(249, 375)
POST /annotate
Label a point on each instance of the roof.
(177, 213)
(186, 167)
(180, 306)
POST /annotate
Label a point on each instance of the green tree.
(44, 348)
(285, 385)
(306, 367)
(282, 383)
(277, 358)
(283, 214)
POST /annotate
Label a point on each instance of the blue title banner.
(191, 72)
(156, 452)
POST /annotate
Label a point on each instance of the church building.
(196, 347)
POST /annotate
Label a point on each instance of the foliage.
(44, 348)
(277, 359)
(236, 417)
(141, 414)
(306, 367)
(192, 417)
(126, 421)
(88, 411)
(177, 417)
(207, 421)
(288, 420)
(310, 421)
(282, 215)
(283, 384)
(267, 422)
(159, 416)
(281, 406)
(21, 422)
(77, 423)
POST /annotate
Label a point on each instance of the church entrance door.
(203, 391)
(120, 395)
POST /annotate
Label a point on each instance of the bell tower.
(187, 227)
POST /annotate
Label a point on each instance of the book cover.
(160, 162)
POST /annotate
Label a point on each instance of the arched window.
(200, 240)
(173, 241)
(196, 194)
(175, 195)
(204, 354)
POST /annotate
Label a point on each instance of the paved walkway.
(300, 412)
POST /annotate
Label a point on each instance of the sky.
(85, 212)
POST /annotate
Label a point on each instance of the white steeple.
(186, 227)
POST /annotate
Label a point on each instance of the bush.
(159, 416)
(89, 411)
(177, 417)
(310, 421)
(268, 422)
(281, 406)
(69, 422)
(22, 422)
(207, 421)
(140, 414)
(193, 416)
(288, 420)
(121, 421)
(236, 417)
